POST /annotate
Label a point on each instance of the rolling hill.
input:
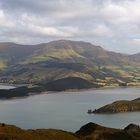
(61, 60)
(120, 106)
(90, 131)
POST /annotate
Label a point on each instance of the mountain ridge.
(55, 60)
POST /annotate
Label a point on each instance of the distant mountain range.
(65, 63)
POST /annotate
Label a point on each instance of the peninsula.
(119, 106)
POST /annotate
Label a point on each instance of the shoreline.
(90, 89)
(29, 94)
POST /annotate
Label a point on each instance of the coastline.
(90, 89)
(26, 92)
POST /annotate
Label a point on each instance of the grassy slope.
(57, 54)
(120, 106)
(9, 132)
(89, 131)
(2, 65)
(62, 59)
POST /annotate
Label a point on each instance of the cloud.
(110, 23)
(126, 11)
(102, 30)
(4, 21)
(136, 41)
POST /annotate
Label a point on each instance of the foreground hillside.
(90, 131)
(63, 60)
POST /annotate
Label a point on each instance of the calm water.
(67, 110)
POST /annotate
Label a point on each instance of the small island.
(118, 107)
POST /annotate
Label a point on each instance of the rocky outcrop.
(92, 131)
(120, 106)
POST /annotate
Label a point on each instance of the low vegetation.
(90, 131)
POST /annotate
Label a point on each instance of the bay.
(68, 110)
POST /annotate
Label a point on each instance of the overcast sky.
(113, 24)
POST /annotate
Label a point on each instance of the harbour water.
(68, 110)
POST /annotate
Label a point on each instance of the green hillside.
(2, 65)
(47, 62)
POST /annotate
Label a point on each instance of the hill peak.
(73, 42)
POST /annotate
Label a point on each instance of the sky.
(112, 24)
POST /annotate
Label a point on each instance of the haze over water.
(2, 86)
